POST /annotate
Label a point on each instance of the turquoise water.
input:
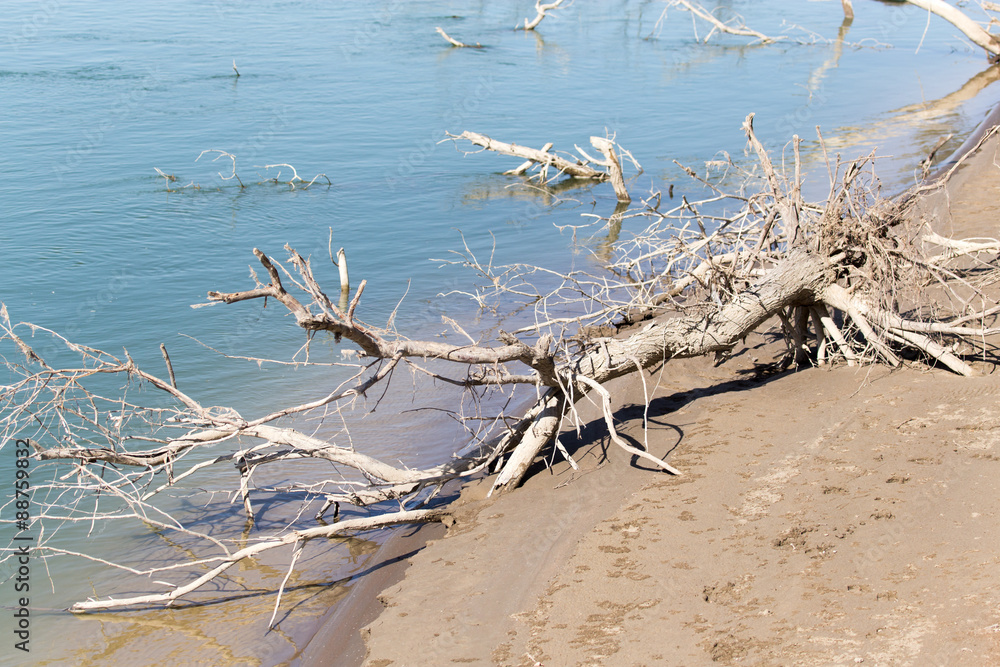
(96, 96)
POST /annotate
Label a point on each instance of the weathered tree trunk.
(573, 168)
(797, 280)
(576, 169)
(960, 20)
(848, 10)
(607, 149)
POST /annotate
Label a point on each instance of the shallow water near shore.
(98, 246)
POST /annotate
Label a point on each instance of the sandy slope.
(827, 517)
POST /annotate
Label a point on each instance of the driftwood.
(575, 167)
(541, 11)
(832, 273)
(736, 27)
(298, 538)
(454, 42)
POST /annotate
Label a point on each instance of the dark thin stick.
(170, 366)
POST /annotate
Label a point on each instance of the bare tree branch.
(542, 10)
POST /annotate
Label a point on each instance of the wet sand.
(339, 640)
(830, 516)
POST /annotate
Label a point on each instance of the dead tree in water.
(541, 11)
(570, 165)
(833, 273)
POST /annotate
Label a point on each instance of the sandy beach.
(828, 516)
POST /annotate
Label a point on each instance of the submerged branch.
(348, 526)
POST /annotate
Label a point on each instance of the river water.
(95, 97)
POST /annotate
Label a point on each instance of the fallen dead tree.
(833, 273)
(572, 166)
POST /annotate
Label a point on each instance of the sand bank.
(826, 517)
